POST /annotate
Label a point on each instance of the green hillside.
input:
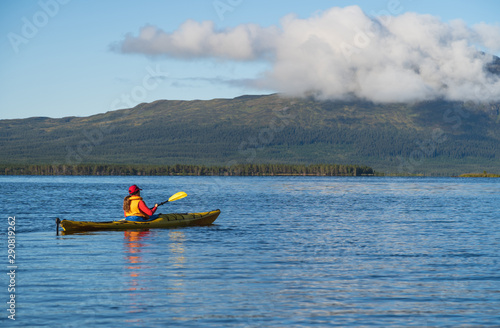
(429, 137)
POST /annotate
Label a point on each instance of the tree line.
(186, 169)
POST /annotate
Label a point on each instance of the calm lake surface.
(285, 252)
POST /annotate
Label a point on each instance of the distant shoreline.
(335, 170)
(187, 170)
(479, 175)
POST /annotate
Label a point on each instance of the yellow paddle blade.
(177, 196)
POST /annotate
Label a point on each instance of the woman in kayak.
(135, 208)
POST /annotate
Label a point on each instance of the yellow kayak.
(163, 221)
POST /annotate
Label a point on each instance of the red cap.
(133, 189)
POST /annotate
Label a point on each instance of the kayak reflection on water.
(140, 245)
(134, 244)
(177, 239)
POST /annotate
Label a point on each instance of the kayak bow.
(172, 220)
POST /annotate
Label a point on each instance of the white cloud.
(200, 40)
(489, 35)
(342, 53)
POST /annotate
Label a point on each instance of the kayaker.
(135, 208)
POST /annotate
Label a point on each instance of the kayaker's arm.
(146, 210)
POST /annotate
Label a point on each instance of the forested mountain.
(435, 137)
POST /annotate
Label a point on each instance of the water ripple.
(285, 252)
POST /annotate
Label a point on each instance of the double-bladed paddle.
(175, 196)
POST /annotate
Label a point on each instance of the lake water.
(285, 252)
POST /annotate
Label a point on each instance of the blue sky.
(57, 56)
